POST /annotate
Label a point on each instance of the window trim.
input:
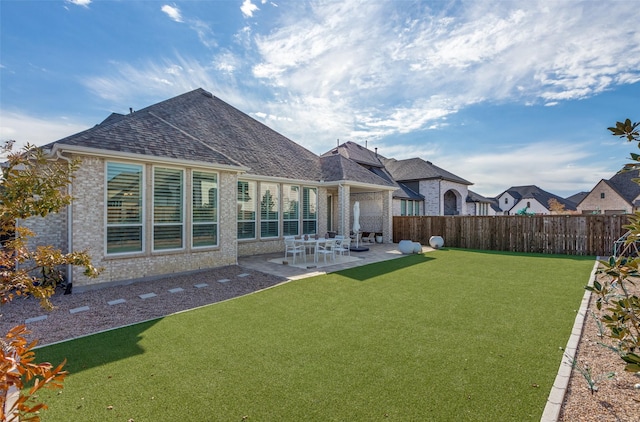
(143, 209)
(289, 188)
(217, 210)
(183, 198)
(316, 204)
(278, 212)
(255, 209)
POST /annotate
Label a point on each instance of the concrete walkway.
(377, 252)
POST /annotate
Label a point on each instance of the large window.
(204, 209)
(309, 211)
(246, 210)
(168, 215)
(269, 215)
(290, 210)
(409, 207)
(124, 208)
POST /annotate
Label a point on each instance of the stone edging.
(556, 396)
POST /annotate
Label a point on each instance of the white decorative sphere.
(406, 247)
(436, 242)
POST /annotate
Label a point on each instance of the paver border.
(553, 407)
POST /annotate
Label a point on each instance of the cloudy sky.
(501, 93)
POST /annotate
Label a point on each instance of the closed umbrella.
(356, 220)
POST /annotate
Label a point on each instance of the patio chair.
(327, 248)
(293, 248)
(371, 238)
(344, 247)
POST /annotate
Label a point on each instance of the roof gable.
(357, 153)
(419, 169)
(337, 167)
(624, 185)
(540, 195)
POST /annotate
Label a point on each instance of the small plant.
(18, 369)
(601, 331)
(621, 313)
(585, 371)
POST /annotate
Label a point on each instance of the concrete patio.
(377, 252)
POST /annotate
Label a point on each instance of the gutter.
(146, 158)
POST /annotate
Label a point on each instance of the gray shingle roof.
(200, 127)
(336, 168)
(143, 133)
(577, 197)
(542, 196)
(625, 186)
(419, 169)
(357, 153)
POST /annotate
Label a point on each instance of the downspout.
(69, 223)
(440, 207)
(340, 200)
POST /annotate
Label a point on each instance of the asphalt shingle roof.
(357, 153)
(200, 127)
(419, 169)
(625, 186)
(542, 196)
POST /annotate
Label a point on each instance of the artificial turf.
(451, 335)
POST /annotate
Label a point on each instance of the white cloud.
(385, 59)
(248, 8)
(24, 128)
(84, 3)
(173, 12)
(564, 172)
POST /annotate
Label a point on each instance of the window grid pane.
(309, 210)
(246, 204)
(167, 209)
(124, 208)
(269, 210)
(290, 210)
(205, 209)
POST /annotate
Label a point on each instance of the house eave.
(351, 183)
(74, 149)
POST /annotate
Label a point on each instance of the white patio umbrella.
(356, 220)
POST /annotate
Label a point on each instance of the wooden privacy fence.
(551, 234)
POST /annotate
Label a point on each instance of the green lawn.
(451, 335)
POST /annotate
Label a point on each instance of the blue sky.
(501, 93)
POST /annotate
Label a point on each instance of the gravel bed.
(61, 324)
(616, 400)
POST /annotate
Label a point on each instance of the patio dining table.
(311, 244)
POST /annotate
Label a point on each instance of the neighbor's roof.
(577, 197)
(623, 183)
(419, 169)
(534, 192)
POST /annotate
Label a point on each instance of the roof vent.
(207, 94)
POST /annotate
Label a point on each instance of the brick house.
(193, 183)
(618, 195)
(421, 187)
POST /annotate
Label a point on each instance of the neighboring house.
(618, 195)
(530, 198)
(578, 197)
(192, 183)
(422, 188)
(480, 205)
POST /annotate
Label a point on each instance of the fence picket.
(552, 234)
